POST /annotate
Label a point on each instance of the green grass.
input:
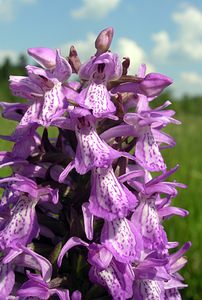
(188, 154)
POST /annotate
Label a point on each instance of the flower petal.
(62, 70)
(97, 98)
(122, 238)
(22, 226)
(91, 150)
(115, 278)
(147, 218)
(7, 280)
(53, 106)
(88, 221)
(44, 56)
(109, 198)
(147, 290)
(72, 242)
(147, 152)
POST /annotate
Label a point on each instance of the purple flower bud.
(103, 41)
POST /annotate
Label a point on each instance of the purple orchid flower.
(21, 226)
(152, 209)
(45, 89)
(147, 218)
(148, 123)
(115, 276)
(145, 125)
(150, 274)
(39, 289)
(176, 262)
(22, 257)
(98, 71)
(91, 151)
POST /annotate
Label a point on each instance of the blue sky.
(166, 35)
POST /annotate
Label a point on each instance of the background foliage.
(187, 153)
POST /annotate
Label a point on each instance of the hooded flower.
(148, 123)
(91, 150)
(105, 270)
(45, 90)
(98, 71)
(39, 289)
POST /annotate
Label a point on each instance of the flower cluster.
(91, 186)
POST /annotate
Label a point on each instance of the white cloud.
(192, 78)
(129, 48)
(188, 40)
(188, 83)
(162, 45)
(8, 8)
(95, 9)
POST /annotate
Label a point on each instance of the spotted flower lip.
(116, 278)
(99, 70)
(147, 219)
(122, 239)
(92, 151)
(109, 199)
(22, 225)
(144, 289)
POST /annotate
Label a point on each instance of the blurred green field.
(188, 153)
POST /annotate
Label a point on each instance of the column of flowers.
(91, 186)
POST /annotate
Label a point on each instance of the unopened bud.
(104, 40)
(74, 59)
(125, 65)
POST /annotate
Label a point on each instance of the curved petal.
(72, 242)
(88, 221)
(62, 70)
(46, 57)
